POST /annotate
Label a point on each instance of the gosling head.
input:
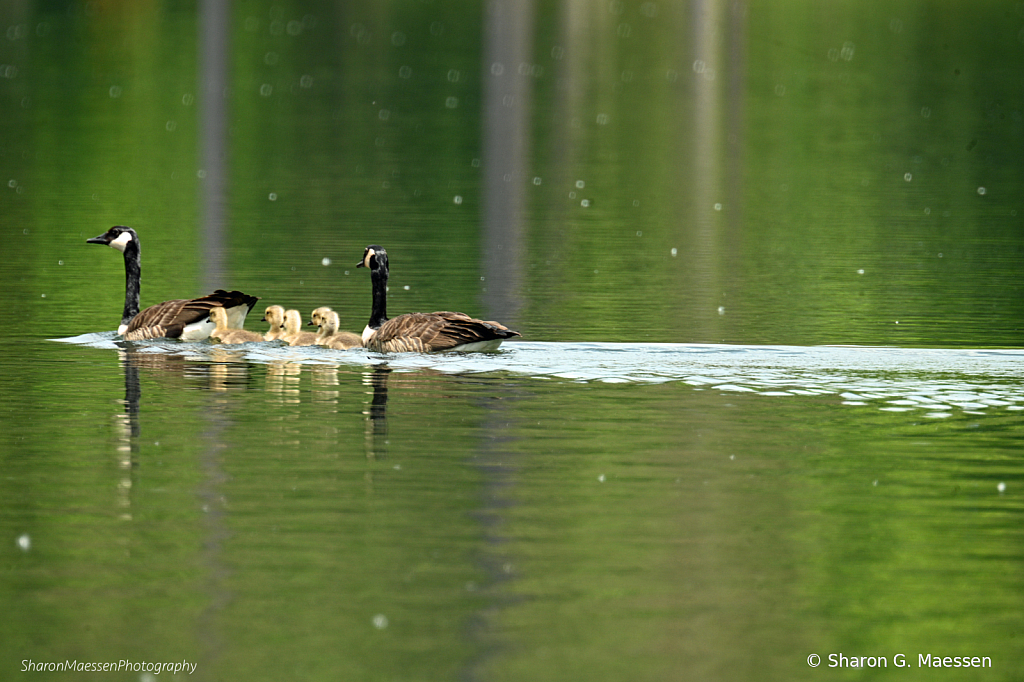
(317, 318)
(219, 316)
(292, 321)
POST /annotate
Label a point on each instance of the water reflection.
(937, 381)
(376, 412)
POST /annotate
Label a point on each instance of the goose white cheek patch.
(122, 241)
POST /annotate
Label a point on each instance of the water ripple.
(935, 381)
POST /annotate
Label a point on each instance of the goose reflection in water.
(376, 412)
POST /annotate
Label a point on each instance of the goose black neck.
(132, 279)
(379, 313)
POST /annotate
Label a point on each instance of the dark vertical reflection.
(377, 413)
(736, 104)
(708, 69)
(214, 38)
(214, 35)
(506, 140)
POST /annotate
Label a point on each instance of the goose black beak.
(102, 239)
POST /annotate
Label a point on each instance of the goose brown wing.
(443, 330)
(169, 319)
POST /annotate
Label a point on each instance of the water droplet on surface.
(270, 58)
(674, 252)
(326, 261)
(406, 287)
(536, 181)
(585, 203)
(981, 191)
(398, 39)
(847, 52)
(639, 233)
(453, 75)
(405, 72)
(306, 82)
(718, 207)
(60, 262)
(24, 542)
(273, 196)
(451, 102)
(926, 112)
(380, 621)
(860, 271)
(12, 183)
(188, 99)
(171, 126)
(266, 89)
(721, 310)
(457, 200)
(908, 177)
(601, 478)
(115, 91)
(927, 211)
(602, 119)
(1001, 487)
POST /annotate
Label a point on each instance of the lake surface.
(768, 404)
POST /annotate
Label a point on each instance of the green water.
(603, 177)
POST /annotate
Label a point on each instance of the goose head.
(219, 316)
(374, 258)
(317, 318)
(292, 322)
(274, 316)
(330, 323)
(118, 237)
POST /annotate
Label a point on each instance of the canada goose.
(274, 315)
(293, 334)
(330, 336)
(421, 332)
(187, 319)
(227, 335)
(317, 318)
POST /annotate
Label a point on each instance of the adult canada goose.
(186, 319)
(330, 336)
(421, 332)
(293, 334)
(228, 335)
(274, 316)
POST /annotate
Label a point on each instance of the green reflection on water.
(818, 172)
